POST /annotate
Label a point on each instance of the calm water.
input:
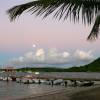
(13, 90)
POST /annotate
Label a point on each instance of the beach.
(74, 93)
(45, 90)
(92, 94)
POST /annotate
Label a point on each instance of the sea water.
(12, 90)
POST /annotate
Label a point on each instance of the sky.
(33, 41)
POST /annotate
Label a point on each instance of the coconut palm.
(86, 10)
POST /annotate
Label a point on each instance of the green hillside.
(45, 69)
(92, 67)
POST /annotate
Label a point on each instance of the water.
(87, 75)
(13, 90)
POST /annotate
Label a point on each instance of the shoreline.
(63, 94)
(91, 94)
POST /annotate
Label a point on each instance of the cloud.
(52, 57)
(42, 57)
(83, 55)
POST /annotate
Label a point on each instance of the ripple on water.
(13, 90)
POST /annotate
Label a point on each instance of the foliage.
(87, 9)
(42, 69)
(92, 67)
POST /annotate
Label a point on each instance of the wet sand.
(69, 93)
(93, 94)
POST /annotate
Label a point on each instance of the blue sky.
(53, 39)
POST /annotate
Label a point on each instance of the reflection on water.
(13, 90)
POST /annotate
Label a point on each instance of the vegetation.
(42, 69)
(87, 10)
(92, 67)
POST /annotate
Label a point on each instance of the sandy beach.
(92, 94)
(69, 93)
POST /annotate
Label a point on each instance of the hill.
(45, 69)
(92, 67)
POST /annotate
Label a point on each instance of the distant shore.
(75, 93)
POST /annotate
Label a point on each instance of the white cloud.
(83, 55)
(52, 57)
(65, 54)
(29, 55)
(41, 56)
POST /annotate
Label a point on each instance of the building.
(9, 69)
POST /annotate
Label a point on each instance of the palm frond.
(86, 9)
(62, 8)
(19, 9)
(95, 30)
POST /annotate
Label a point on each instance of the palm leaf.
(86, 9)
(95, 30)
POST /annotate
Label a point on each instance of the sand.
(92, 94)
(69, 93)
